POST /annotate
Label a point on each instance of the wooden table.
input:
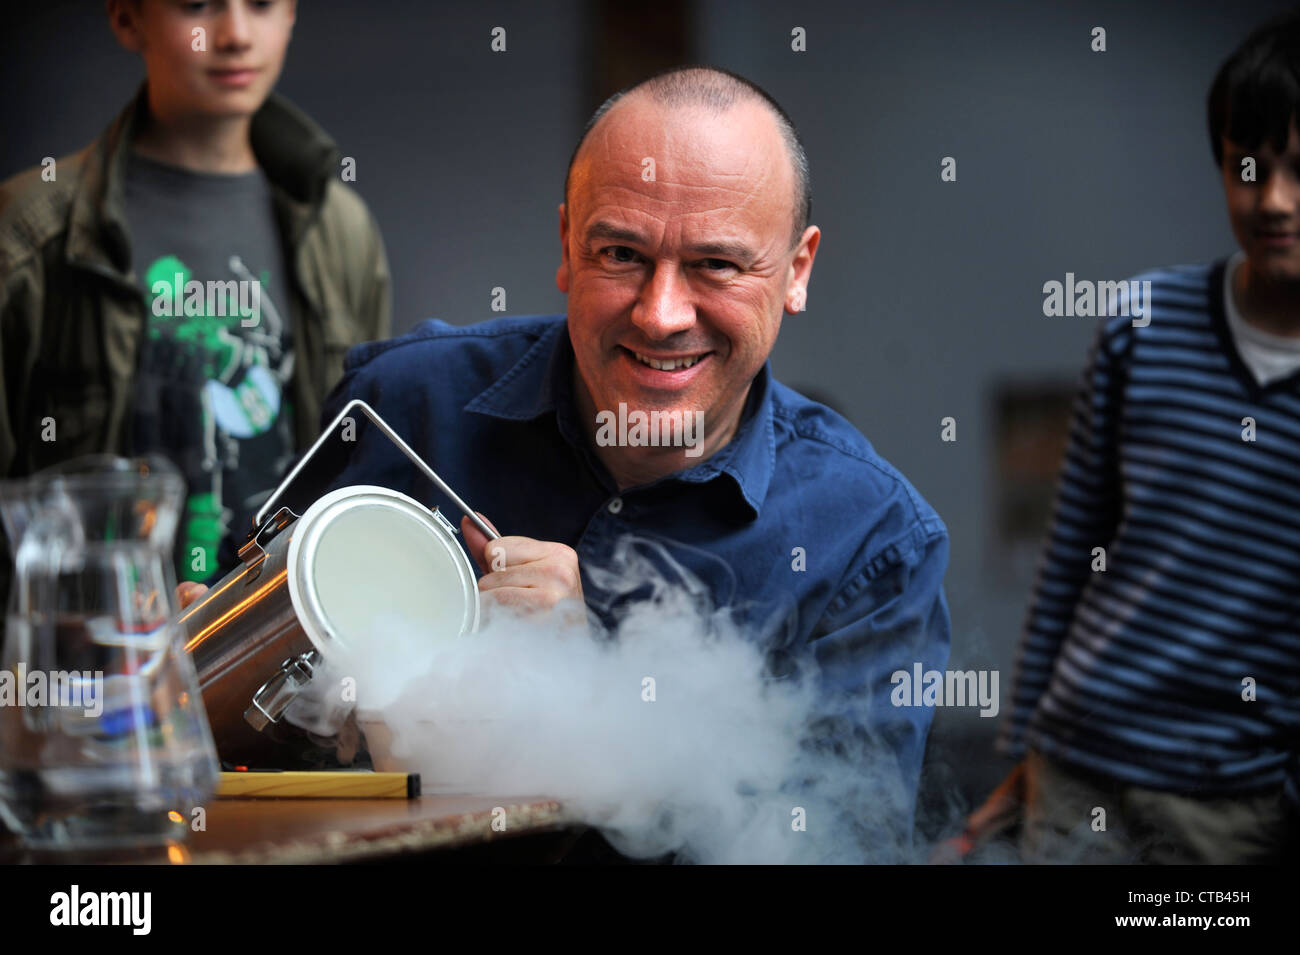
(311, 831)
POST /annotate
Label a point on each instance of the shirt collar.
(540, 383)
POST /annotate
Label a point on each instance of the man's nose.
(234, 27)
(665, 306)
(1279, 193)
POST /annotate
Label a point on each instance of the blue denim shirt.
(816, 543)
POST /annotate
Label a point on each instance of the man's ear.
(562, 273)
(124, 18)
(796, 295)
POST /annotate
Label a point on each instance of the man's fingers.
(1007, 798)
(528, 598)
(504, 552)
(521, 571)
(188, 592)
(476, 541)
(516, 551)
(542, 575)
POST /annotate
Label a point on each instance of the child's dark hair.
(1256, 94)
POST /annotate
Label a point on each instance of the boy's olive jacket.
(73, 310)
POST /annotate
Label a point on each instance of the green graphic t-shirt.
(216, 359)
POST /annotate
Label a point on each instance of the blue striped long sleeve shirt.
(1177, 667)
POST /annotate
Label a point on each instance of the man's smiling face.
(677, 285)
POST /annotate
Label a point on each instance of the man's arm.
(890, 615)
(353, 248)
(20, 310)
(376, 311)
(22, 295)
(15, 325)
(1085, 516)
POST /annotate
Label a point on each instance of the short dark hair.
(1256, 94)
(718, 90)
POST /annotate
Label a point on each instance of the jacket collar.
(540, 382)
(296, 155)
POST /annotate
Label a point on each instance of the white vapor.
(705, 762)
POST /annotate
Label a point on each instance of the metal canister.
(310, 586)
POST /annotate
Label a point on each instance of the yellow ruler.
(329, 784)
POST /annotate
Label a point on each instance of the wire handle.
(402, 446)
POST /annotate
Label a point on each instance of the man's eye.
(620, 253)
(1235, 169)
(718, 265)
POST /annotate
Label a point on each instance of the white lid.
(363, 557)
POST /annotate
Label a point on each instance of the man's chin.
(634, 420)
(649, 401)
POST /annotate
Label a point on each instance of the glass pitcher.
(104, 743)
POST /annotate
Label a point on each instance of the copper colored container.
(310, 588)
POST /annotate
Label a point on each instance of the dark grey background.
(926, 296)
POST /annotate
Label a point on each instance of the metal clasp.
(255, 549)
(275, 695)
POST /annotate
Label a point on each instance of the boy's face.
(1265, 214)
(219, 58)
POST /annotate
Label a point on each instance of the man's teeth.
(671, 365)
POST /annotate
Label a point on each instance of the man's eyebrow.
(724, 250)
(738, 251)
(607, 230)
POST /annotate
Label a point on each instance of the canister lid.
(366, 557)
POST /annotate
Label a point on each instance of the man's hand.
(1001, 814)
(1004, 802)
(521, 571)
(188, 591)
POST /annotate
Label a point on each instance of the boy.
(189, 283)
(1157, 695)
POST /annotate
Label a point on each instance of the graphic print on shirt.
(211, 395)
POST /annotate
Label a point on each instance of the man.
(1158, 691)
(189, 283)
(684, 237)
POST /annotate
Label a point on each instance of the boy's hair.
(1256, 94)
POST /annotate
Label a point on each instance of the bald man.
(646, 421)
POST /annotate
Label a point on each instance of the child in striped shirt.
(1157, 693)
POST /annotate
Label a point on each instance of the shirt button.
(616, 505)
